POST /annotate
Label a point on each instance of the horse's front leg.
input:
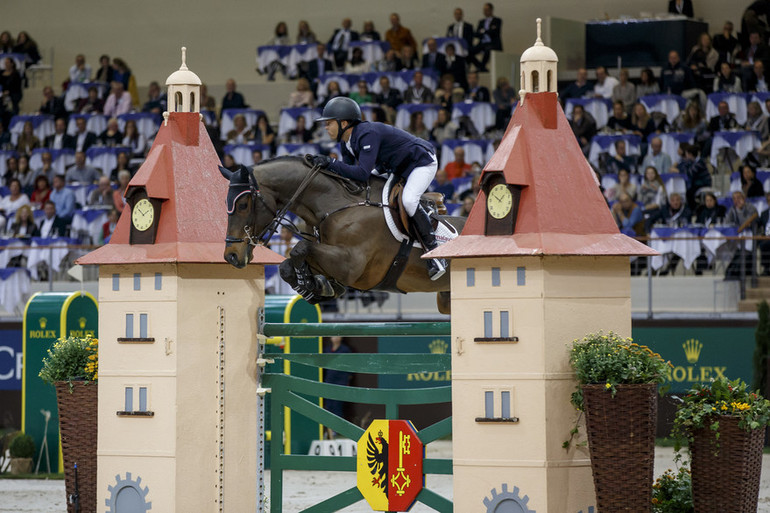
(308, 258)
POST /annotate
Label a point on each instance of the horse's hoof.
(323, 285)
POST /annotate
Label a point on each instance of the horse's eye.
(242, 206)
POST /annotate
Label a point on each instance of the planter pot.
(621, 442)
(21, 466)
(78, 425)
(725, 472)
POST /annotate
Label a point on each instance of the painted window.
(129, 325)
(470, 277)
(158, 281)
(495, 276)
(505, 403)
(116, 282)
(142, 325)
(129, 400)
(142, 398)
(487, 324)
(521, 276)
(137, 281)
(505, 324)
(489, 404)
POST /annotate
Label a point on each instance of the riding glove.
(322, 161)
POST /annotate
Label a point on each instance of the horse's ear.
(225, 172)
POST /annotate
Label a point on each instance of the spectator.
(390, 62)
(744, 216)
(702, 61)
(476, 92)
(725, 120)
(156, 99)
(80, 172)
(656, 157)
(756, 50)
(417, 92)
(757, 80)
(118, 195)
(105, 72)
(456, 66)
(409, 60)
(726, 44)
(27, 46)
(59, 140)
(339, 43)
(488, 35)
(583, 126)
(763, 226)
(362, 95)
(12, 167)
(25, 175)
(756, 121)
(460, 29)
(692, 120)
(118, 102)
(108, 228)
(207, 102)
(677, 213)
(580, 88)
(647, 84)
(332, 91)
(112, 135)
(42, 190)
(232, 99)
(303, 96)
(444, 128)
(751, 187)
(5, 137)
(6, 42)
(683, 7)
(369, 34)
(467, 206)
(620, 160)
(417, 126)
(84, 138)
(102, 196)
(10, 83)
(263, 132)
(627, 214)
(318, 66)
(458, 168)
(133, 139)
(256, 156)
(240, 134)
(80, 72)
(305, 36)
(121, 164)
(52, 104)
(91, 104)
(727, 81)
(433, 59)
(388, 98)
(605, 83)
(443, 185)
(505, 98)
(619, 121)
(652, 195)
(23, 225)
(121, 73)
(674, 77)
(300, 133)
(625, 91)
(624, 185)
(229, 162)
(695, 171)
(52, 224)
(399, 36)
(356, 65)
(28, 141)
(642, 123)
(15, 198)
(280, 38)
(710, 212)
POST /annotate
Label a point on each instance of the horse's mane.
(351, 186)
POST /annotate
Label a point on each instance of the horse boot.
(424, 231)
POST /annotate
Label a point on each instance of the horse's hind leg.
(444, 303)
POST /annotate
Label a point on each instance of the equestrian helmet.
(341, 109)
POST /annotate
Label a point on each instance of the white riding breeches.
(418, 182)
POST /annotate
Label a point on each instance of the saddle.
(432, 201)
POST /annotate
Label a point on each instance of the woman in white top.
(10, 203)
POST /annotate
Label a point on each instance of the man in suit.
(724, 121)
(461, 29)
(417, 92)
(318, 66)
(52, 225)
(340, 42)
(52, 104)
(488, 34)
(232, 99)
(476, 92)
(60, 140)
(455, 65)
(83, 138)
(433, 59)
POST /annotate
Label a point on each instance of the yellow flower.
(608, 385)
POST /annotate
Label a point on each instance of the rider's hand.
(322, 161)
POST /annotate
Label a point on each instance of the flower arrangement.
(672, 493)
(612, 360)
(71, 359)
(705, 403)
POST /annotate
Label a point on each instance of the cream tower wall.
(563, 298)
(176, 452)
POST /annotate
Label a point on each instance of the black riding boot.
(421, 219)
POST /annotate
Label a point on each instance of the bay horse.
(352, 247)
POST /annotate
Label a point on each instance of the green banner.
(701, 353)
(436, 345)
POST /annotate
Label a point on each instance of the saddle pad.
(444, 231)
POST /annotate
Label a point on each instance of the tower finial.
(538, 41)
(184, 55)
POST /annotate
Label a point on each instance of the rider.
(367, 146)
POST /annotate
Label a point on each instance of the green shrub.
(672, 493)
(22, 446)
(71, 359)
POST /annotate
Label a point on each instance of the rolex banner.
(389, 469)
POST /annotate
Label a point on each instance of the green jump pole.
(357, 329)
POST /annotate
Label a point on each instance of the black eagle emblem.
(378, 461)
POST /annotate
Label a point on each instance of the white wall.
(222, 37)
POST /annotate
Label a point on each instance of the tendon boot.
(422, 225)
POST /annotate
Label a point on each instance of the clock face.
(499, 201)
(142, 214)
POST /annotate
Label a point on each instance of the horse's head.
(247, 216)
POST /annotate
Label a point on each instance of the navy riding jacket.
(382, 147)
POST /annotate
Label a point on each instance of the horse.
(352, 245)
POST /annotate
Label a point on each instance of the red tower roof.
(182, 170)
(561, 211)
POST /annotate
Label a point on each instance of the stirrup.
(436, 268)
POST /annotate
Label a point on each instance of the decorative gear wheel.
(507, 502)
(128, 496)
